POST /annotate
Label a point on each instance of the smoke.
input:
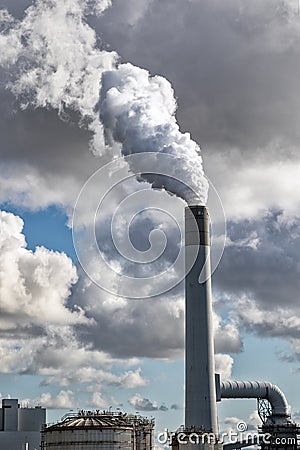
(138, 111)
(54, 61)
(58, 64)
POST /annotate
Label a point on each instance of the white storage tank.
(99, 430)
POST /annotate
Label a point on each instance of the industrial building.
(203, 388)
(96, 430)
(105, 430)
(20, 428)
(99, 430)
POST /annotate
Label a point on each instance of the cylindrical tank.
(97, 430)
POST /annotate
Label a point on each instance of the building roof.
(100, 420)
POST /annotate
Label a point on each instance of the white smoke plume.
(54, 60)
(138, 111)
(58, 64)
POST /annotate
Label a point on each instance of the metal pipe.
(257, 389)
(200, 393)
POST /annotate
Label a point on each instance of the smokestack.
(200, 400)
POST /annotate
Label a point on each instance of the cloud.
(235, 87)
(266, 272)
(31, 281)
(224, 364)
(63, 400)
(144, 404)
(265, 183)
(59, 349)
(98, 401)
(51, 150)
(176, 407)
(224, 89)
(37, 334)
(86, 374)
(230, 424)
(149, 327)
(259, 277)
(227, 337)
(131, 379)
(237, 96)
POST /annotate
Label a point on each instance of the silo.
(99, 430)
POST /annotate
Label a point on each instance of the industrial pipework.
(200, 393)
(278, 430)
(258, 390)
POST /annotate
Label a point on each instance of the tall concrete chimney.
(200, 393)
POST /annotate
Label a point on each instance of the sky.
(91, 272)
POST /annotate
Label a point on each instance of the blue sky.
(99, 95)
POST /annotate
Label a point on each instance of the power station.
(203, 387)
(106, 430)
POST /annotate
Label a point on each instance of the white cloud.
(230, 424)
(227, 337)
(145, 404)
(129, 379)
(34, 286)
(278, 322)
(63, 400)
(98, 401)
(256, 185)
(224, 364)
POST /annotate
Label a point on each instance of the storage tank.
(99, 430)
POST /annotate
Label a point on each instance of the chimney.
(200, 394)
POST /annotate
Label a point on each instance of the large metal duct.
(200, 394)
(258, 390)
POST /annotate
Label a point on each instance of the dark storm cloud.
(139, 230)
(262, 261)
(235, 70)
(50, 153)
(259, 277)
(46, 149)
(151, 327)
(235, 66)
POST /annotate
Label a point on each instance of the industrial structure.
(203, 386)
(20, 428)
(95, 430)
(273, 411)
(106, 430)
